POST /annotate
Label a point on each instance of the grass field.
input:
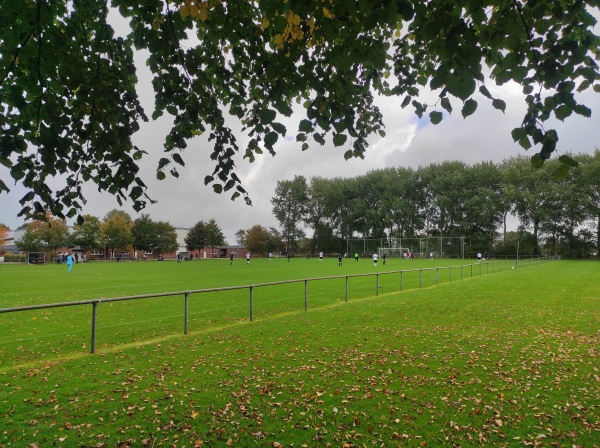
(509, 359)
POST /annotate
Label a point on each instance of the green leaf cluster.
(69, 85)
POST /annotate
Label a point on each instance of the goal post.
(36, 258)
(392, 252)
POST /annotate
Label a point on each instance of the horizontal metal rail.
(186, 294)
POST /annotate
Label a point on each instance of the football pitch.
(503, 358)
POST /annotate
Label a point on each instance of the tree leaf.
(568, 161)
(446, 104)
(525, 143)
(485, 92)
(580, 109)
(499, 104)
(271, 138)
(518, 133)
(284, 108)
(461, 87)
(281, 129)
(339, 139)
(563, 112)
(267, 115)
(305, 126)
(537, 161)
(469, 107)
(177, 158)
(435, 117)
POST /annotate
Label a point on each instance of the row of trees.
(117, 232)
(558, 211)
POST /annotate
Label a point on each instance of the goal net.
(36, 258)
(392, 252)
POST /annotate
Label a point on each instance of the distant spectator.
(69, 263)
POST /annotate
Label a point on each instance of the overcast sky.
(409, 142)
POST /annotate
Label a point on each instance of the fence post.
(471, 271)
(93, 345)
(305, 295)
(421, 278)
(376, 285)
(251, 289)
(461, 272)
(346, 288)
(436, 275)
(401, 281)
(487, 268)
(185, 312)
(450, 274)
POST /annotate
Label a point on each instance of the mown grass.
(509, 359)
(33, 335)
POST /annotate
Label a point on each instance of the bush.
(13, 258)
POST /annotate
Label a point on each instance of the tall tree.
(259, 239)
(447, 189)
(240, 236)
(144, 233)
(484, 205)
(527, 192)
(55, 233)
(214, 234)
(289, 207)
(158, 237)
(338, 208)
(316, 214)
(165, 238)
(251, 59)
(590, 186)
(196, 237)
(405, 201)
(32, 239)
(115, 232)
(87, 234)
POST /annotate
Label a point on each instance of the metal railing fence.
(454, 273)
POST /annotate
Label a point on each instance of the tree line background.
(116, 232)
(558, 213)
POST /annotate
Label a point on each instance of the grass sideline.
(33, 335)
(505, 360)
